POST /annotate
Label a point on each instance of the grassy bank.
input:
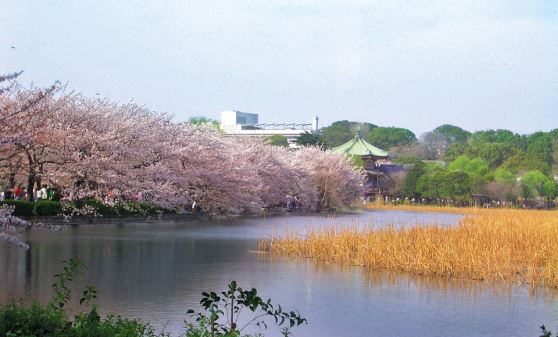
(496, 244)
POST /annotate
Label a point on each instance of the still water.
(155, 271)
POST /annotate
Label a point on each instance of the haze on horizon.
(475, 64)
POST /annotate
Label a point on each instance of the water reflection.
(156, 271)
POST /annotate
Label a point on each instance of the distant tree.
(408, 154)
(307, 139)
(536, 184)
(432, 166)
(494, 146)
(434, 185)
(474, 167)
(277, 140)
(455, 150)
(404, 159)
(502, 188)
(494, 153)
(555, 151)
(477, 169)
(445, 138)
(342, 131)
(537, 165)
(516, 162)
(453, 134)
(539, 147)
(501, 175)
(436, 144)
(500, 191)
(459, 185)
(387, 137)
(497, 136)
(201, 120)
(409, 188)
(396, 183)
(520, 162)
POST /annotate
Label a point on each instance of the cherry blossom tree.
(96, 148)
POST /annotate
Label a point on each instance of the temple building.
(374, 162)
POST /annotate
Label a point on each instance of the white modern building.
(235, 120)
(236, 123)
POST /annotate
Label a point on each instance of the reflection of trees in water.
(11, 277)
(122, 265)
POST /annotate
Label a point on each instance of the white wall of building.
(233, 120)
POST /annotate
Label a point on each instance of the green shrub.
(37, 320)
(22, 208)
(136, 207)
(97, 205)
(92, 325)
(17, 319)
(47, 207)
(101, 208)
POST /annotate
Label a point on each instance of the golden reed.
(487, 244)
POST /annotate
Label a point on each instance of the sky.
(414, 64)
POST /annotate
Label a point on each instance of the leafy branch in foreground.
(222, 311)
(62, 294)
(546, 333)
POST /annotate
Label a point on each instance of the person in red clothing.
(18, 192)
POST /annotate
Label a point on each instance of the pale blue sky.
(416, 64)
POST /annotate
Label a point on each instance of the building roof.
(359, 147)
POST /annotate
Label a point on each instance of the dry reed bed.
(502, 244)
(424, 208)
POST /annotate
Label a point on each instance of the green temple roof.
(359, 147)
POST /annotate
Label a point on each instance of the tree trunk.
(12, 180)
(30, 183)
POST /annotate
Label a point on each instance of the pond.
(156, 270)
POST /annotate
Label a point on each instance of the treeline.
(466, 180)
(449, 164)
(88, 148)
(341, 131)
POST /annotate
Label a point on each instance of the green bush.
(22, 208)
(136, 207)
(99, 207)
(33, 320)
(121, 208)
(47, 207)
(37, 320)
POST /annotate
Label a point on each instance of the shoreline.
(115, 219)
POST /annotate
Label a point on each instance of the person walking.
(42, 194)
